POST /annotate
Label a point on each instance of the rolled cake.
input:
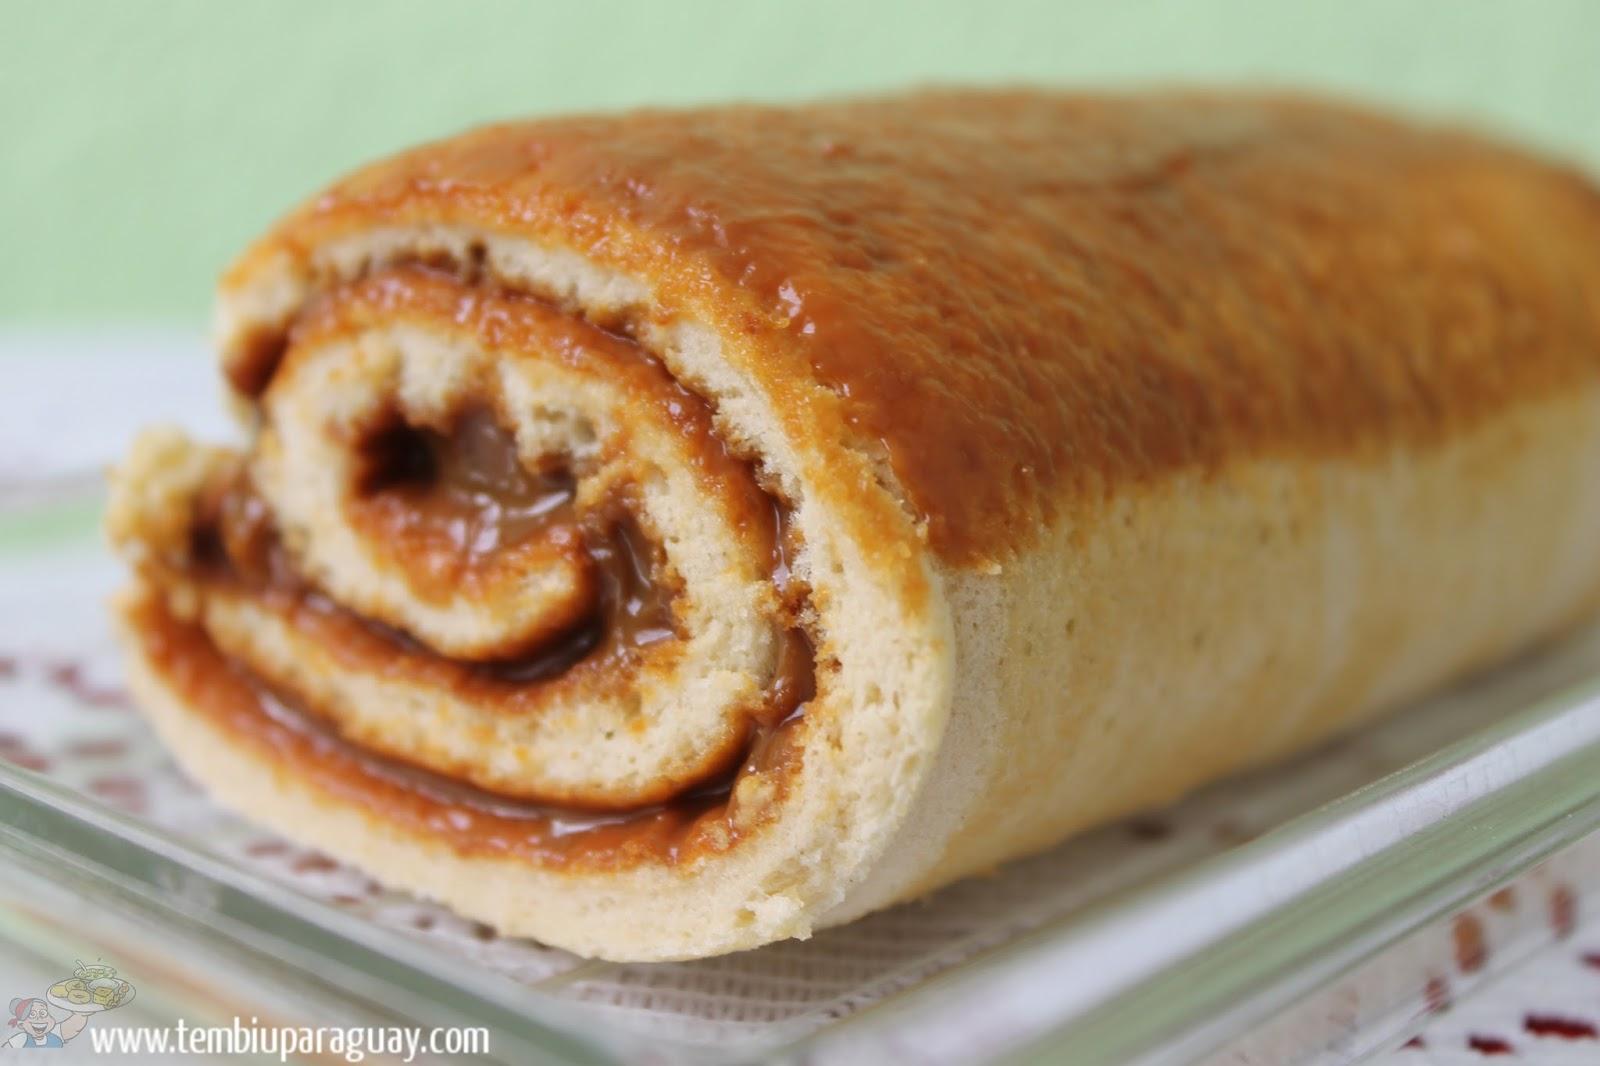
(666, 533)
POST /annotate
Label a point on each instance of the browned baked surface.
(1026, 297)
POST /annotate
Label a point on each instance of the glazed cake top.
(1023, 299)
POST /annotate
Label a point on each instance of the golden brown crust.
(1026, 297)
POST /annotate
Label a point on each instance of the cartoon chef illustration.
(36, 1027)
(92, 988)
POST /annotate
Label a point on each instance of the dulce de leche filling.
(448, 504)
(457, 505)
(468, 820)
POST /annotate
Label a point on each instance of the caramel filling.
(466, 491)
(469, 820)
(449, 504)
(454, 506)
(234, 542)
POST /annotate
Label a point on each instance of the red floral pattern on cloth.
(1515, 974)
(1548, 1011)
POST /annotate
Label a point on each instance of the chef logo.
(92, 988)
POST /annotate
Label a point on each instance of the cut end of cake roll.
(527, 614)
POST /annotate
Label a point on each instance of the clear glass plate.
(1230, 924)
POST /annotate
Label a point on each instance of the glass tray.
(1314, 912)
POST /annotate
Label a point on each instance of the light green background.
(144, 142)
